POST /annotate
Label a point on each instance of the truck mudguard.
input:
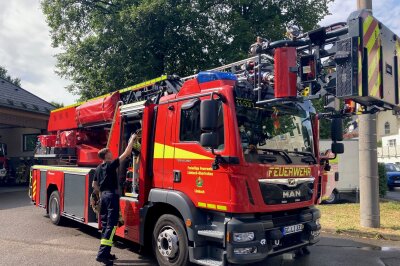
(179, 201)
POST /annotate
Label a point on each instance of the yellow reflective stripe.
(372, 67)
(134, 87)
(212, 206)
(377, 84)
(158, 151)
(144, 84)
(168, 152)
(113, 233)
(221, 208)
(109, 242)
(106, 242)
(367, 22)
(372, 39)
(201, 204)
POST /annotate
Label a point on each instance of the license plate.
(397, 181)
(291, 229)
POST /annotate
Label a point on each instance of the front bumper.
(393, 183)
(269, 239)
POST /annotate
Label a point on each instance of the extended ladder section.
(78, 131)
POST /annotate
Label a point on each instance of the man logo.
(292, 182)
(263, 242)
(291, 194)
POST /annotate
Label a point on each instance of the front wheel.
(170, 242)
(54, 208)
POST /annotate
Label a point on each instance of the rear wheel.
(170, 242)
(54, 208)
(332, 198)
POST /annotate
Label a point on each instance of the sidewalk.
(13, 189)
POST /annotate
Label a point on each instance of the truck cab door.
(192, 165)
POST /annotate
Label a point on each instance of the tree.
(4, 75)
(57, 104)
(325, 124)
(108, 45)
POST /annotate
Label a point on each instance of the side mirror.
(337, 148)
(208, 115)
(337, 129)
(209, 140)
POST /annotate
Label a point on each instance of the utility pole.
(368, 160)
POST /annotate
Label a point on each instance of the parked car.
(393, 175)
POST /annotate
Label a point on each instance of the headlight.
(245, 251)
(317, 221)
(243, 237)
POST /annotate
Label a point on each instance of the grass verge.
(345, 219)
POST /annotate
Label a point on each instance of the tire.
(332, 198)
(169, 236)
(54, 208)
(390, 188)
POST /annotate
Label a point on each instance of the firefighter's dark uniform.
(106, 176)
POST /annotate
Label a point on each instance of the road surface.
(27, 237)
(393, 195)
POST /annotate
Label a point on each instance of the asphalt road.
(27, 237)
(393, 195)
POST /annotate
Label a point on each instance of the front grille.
(393, 177)
(285, 220)
(1, 165)
(282, 194)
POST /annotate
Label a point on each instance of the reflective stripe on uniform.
(106, 242)
(113, 233)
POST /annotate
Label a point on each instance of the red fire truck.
(229, 168)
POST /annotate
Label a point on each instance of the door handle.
(177, 176)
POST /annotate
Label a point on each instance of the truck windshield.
(269, 130)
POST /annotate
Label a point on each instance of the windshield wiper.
(308, 156)
(267, 157)
(283, 153)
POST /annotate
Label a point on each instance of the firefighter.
(106, 183)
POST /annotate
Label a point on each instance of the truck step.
(211, 233)
(209, 262)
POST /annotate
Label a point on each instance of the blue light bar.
(207, 76)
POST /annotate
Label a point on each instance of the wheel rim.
(331, 198)
(168, 243)
(54, 208)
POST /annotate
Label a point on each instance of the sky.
(26, 52)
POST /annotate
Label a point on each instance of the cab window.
(190, 123)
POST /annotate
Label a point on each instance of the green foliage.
(57, 104)
(382, 180)
(379, 143)
(4, 75)
(325, 124)
(109, 45)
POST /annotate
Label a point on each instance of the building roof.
(12, 96)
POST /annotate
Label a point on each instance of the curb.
(355, 233)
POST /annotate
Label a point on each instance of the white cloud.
(387, 11)
(26, 52)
